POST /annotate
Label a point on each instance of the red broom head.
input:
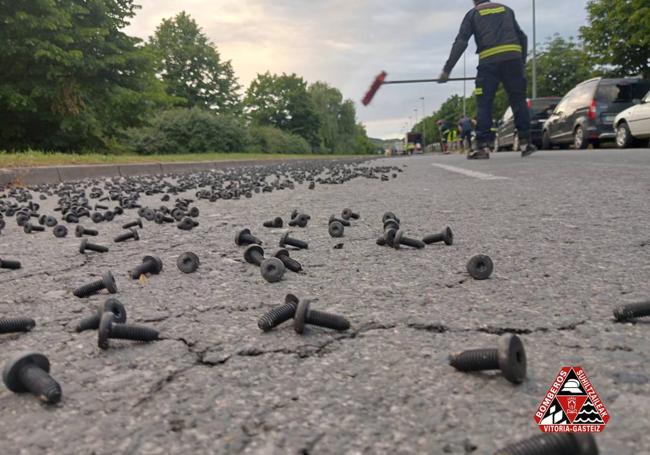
(379, 80)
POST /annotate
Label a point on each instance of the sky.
(346, 43)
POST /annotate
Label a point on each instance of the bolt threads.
(35, 228)
(476, 360)
(96, 248)
(90, 232)
(11, 265)
(124, 237)
(296, 243)
(413, 243)
(277, 316)
(543, 444)
(133, 332)
(16, 325)
(327, 320)
(632, 311)
(433, 238)
(40, 383)
(89, 323)
(291, 263)
(132, 224)
(89, 289)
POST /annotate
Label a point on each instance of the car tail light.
(530, 103)
(592, 110)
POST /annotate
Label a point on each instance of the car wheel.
(623, 136)
(579, 140)
(546, 141)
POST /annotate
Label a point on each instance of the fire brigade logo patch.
(572, 405)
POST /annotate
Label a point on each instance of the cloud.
(347, 42)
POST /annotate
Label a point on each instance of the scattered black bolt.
(312, 185)
(71, 218)
(290, 263)
(446, 236)
(48, 221)
(632, 311)
(272, 269)
(87, 246)
(346, 214)
(389, 216)
(554, 444)
(131, 234)
(186, 224)
(244, 237)
(80, 231)
(274, 223)
(391, 224)
(97, 217)
(188, 262)
(11, 265)
(480, 267)
(300, 221)
(401, 239)
(305, 316)
(100, 207)
(389, 236)
(107, 282)
(381, 241)
(150, 265)
(109, 329)
(254, 254)
(29, 372)
(60, 231)
(280, 314)
(509, 357)
(336, 229)
(132, 224)
(14, 325)
(286, 240)
(29, 228)
(345, 223)
(110, 306)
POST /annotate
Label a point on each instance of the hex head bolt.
(480, 267)
(345, 223)
(635, 310)
(446, 236)
(290, 263)
(10, 265)
(401, 239)
(87, 246)
(150, 265)
(131, 234)
(274, 223)
(279, 314)
(15, 325)
(80, 231)
(60, 231)
(346, 214)
(304, 315)
(336, 229)
(132, 224)
(509, 357)
(29, 228)
(286, 240)
(29, 372)
(244, 237)
(188, 262)
(107, 282)
(109, 329)
(554, 444)
(110, 306)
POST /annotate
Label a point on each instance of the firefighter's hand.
(444, 77)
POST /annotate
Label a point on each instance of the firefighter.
(502, 48)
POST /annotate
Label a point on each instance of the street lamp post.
(534, 52)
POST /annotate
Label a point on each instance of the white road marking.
(468, 173)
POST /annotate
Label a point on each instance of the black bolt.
(286, 240)
(346, 214)
(87, 246)
(381, 241)
(305, 316)
(389, 216)
(244, 237)
(11, 265)
(509, 357)
(29, 228)
(109, 329)
(554, 444)
(271, 269)
(97, 217)
(446, 236)
(254, 254)
(635, 310)
(401, 239)
(343, 222)
(48, 221)
(133, 224)
(100, 207)
(80, 231)
(131, 234)
(13, 325)
(301, 220)
(274, 223)
(111, 306)
(279, 314)
(389, 236)
(107, 282)
(60, 231)
(480, 267)
(150, 265)
(391, 224)
(188, 262)
(29, 372)
(336, 229)
(290, 263)
(71, 218)
(186, 225)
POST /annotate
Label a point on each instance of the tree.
(618, 35)
(283, 102)
(327, 102)
(192, 68)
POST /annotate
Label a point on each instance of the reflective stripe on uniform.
(478, 91)
(487, 11)
(500, 50)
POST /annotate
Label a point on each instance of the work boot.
(526, 148)
(482, 153)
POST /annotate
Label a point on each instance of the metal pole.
(464, 84)
(424, 123)
(534, 52)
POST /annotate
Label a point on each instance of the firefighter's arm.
(523, 39)
(460, 44)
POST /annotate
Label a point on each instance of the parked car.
(633, 124)
(586, 114)
(540, 109)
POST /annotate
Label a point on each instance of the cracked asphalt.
(568, 233)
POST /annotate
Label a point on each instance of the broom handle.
(418, 81)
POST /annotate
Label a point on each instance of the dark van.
(586, 114)
(540, 109)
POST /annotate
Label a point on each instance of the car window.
(622, 91)
(541, 105)
(561, 107)
(581, 97)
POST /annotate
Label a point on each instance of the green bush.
(189, 131)
(267, 139)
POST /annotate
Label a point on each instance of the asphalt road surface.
(568, 233)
